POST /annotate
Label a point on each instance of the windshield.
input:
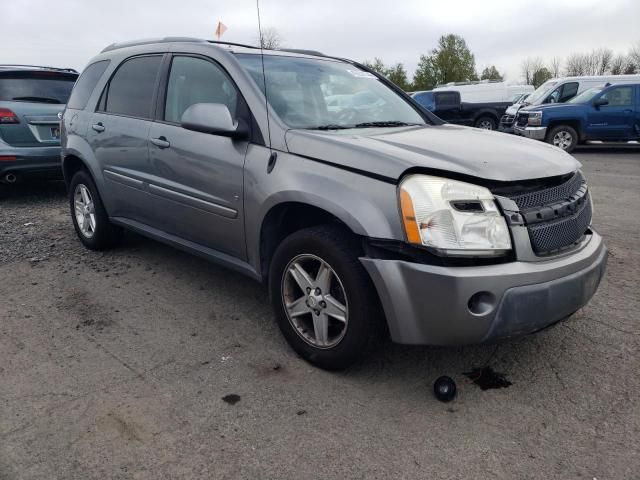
(328, 94)
(586, 96)
(38, 89)
(540, 93)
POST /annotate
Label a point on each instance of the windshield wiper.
(38, 99)
(330, 126)
(387, 123)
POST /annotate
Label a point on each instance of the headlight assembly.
(451, 217)
(535, 119)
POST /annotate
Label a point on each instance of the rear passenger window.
(194, 80)
(130, 91)
(85, 84)
(447, 99)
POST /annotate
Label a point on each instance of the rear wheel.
(486, 123)
(324, 301)
(89, 217)
(564, 137)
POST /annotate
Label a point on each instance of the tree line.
(452, 61)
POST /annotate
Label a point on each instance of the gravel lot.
(145, 362)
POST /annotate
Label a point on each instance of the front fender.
(366, 205)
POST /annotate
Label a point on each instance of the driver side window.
(195, 80)
(619, 97)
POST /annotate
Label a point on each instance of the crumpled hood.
(450, 148)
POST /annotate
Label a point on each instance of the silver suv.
(361, 211)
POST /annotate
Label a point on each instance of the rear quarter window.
(86, 83)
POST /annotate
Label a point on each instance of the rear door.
(614, 121)
(198, 177)
(118, 133)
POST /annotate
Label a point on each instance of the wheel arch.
(571, 122)
(288, 216)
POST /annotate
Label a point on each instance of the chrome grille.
(556, 217)
(558, 193)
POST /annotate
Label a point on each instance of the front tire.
(89, 217)
(563, 137)
(324, 301)
(486, 123)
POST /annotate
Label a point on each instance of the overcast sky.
(70, 32)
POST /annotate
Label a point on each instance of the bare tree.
(604, 57)
(619, 64)
(555, 67)
(529, 66)
(270, 39)
(577, 64)
(634, 56)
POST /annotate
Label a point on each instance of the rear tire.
(486, 123)
(563, 137)
(302, 297)
(89, 217)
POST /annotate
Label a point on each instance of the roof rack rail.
(469, 82)
(148, 41)
(233, 44)
(302, 51)
(58, 69)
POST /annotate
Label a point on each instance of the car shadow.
(33, 190)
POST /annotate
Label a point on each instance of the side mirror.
(213, 118)
(601, 102)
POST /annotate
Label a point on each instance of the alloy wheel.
(315, 301)
(84, 210)
(562, 139)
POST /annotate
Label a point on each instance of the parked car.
(560, 90)
(448, 106)
(486, 91)
(610, 113)
(355, 218)
(31, 98)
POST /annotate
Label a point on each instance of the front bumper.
(30, 161)
(432, 305)
(506, 124)
(537, 133)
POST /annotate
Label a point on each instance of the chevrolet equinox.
(363, 213)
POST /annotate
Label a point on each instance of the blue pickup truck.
(609, 113)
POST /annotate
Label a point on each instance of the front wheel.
(485, 123)
(564, 137)
(324, 301)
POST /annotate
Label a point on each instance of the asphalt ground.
(146, 362)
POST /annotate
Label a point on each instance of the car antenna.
(264, 77)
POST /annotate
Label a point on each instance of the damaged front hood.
(447, 148)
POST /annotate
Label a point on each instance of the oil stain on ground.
(231, 399)
(486, 378)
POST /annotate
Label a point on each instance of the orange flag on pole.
(220, 29)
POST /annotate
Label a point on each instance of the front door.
(198, 177)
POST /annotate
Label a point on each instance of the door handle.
(98, 127)
(161, 142)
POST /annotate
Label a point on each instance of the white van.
(486, 91)
(560, 90)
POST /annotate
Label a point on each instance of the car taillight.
(7, 116)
